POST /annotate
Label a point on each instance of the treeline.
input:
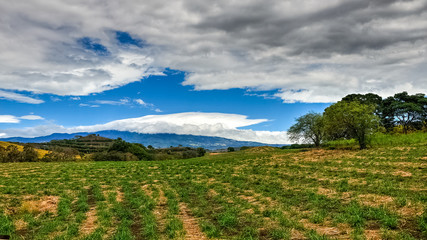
(119, 150)
(358, 116)
(12, 154)
(84, 144)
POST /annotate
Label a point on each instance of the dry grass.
(44, 204)
(119, 195)
(373, 234)
(374, 200)
(262, 149)
(90, 223)
(341, 231)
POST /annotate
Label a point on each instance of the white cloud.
(147, 105)
(8, 119)
(18, 97)
(14, 119)
(195, 123)
(55, 99)
(140, 102)
(88, 105)
(75, 98)
(312, 51)
(123, 101)
(31, 117)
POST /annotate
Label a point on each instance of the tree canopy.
(409, 111)
(308, 128)
(351, 120)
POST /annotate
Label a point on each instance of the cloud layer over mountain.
(194, 123)
(308, 51)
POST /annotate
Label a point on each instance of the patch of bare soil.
(297, 235)
(402, 173)
(147, 190)
(89, 224)
(373, 234)
(411, 210)
(356, 181)
(317, 155)
(20, 225)
(212, 193)
(119, 195)
(374, 200)
(213, 154)
(191, 227)
(258, 200)
(327, 192)
(341, 231)
(44, 204)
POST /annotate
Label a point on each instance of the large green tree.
(308, 128)
(368, 98)
(351, 120)
(408, 111)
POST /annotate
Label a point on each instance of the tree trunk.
(362, 141)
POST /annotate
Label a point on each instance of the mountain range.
(157, 140)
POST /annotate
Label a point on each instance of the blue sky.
(237, 69)
(163, 95)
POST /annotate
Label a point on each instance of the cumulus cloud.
(195, 123)
(310, 51)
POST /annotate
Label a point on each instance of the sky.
(237, 69)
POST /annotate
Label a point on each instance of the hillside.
(159, 140)
(84, 144)
(40, 152)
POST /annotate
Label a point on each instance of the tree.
(409, 111)
(13, 154)
(369, 98)
(201, 152)
(351, 120)
(308, 128)
(29, 154)
(3, 154)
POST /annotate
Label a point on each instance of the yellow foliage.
(40, 152)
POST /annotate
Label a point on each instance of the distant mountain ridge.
(158, 140)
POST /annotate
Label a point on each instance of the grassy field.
(260, 193)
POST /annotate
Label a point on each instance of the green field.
(260, 193)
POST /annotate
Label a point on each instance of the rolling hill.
(158, 140)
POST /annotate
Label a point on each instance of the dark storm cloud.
(356, 45)
(343, 28)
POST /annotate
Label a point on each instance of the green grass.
(383, 140)
(259, 193)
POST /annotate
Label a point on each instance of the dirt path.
(191, 227)
(90, 223)
(161, 211)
